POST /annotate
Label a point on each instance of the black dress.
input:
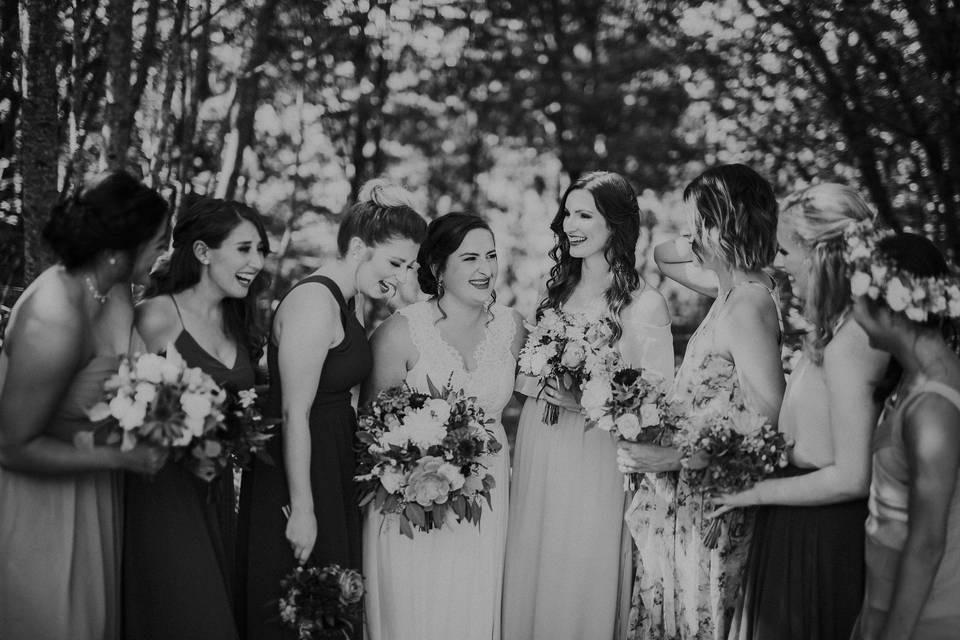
(264, 552)
(178, 536)
(805, 573)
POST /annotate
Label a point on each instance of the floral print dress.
(684, 590)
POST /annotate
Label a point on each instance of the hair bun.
(385, 194)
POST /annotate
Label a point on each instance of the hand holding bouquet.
(566, 347)
(421, 456)
(322, 602)
(740, 448)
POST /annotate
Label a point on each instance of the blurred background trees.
(491, 106)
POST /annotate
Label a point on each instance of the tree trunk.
(11, 236)
(40, 127)
(248, 94)
(118, 120)
(171, 64)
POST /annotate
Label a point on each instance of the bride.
(446, 583)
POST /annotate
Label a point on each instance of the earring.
(112, 260)
(439, 289)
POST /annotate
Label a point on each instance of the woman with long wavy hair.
(568, 556)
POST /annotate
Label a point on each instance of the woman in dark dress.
(317, 352)
(178, 530)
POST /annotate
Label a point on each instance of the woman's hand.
(633, 457)
(730, 501)
(144, 458)
(555, 393)
(302, 533)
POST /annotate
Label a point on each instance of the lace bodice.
(491, 382)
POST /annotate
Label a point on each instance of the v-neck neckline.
(236, 355)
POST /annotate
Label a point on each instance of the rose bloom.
(428, 485)
(628, 426)
(351, 587)
(573, 355)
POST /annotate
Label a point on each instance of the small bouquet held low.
(631, 404)
(566, 347)
(322, 602)
(420, 456)
(158, 399)
(740, 449)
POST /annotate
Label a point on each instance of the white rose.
(859, 283)
(145, 392)
(897, 295)
(133, 417)
(149, 367)
(573, 355)
(628, 426)
(452, 473)
(649, 415)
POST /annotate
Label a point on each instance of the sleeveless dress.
(805, 572)
(60, 536)
(888, 525)
(264, 551)
(569, 556)
(446, 583)
(684, 590)
(177, 570)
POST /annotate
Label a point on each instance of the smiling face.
(584, 225)
(470, 272)
(237, 261)
(387, 265)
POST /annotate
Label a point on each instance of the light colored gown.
(684, 590)
(569, 566)
(446, 583)
(59, 536)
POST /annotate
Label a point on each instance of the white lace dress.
(446, 583)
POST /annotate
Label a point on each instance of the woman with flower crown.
(303, 508)
(907, 300)
(568, 566)
(805, 569)
(446, 583)
(60, 500)
(178, 573)
(683, 588)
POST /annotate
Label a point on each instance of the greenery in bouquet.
(159, 400)
(322, 602)
(566, 347)
(740, 449)
(420, 457)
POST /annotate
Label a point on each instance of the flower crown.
(878, 278)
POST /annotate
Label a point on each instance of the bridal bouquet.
(160, 400)
(421, 456)
(631, 404)
(740, 448)
(321, 602)
(566, 347)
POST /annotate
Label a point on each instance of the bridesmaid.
(913, 530)
(805, 570)
(317, 352)
(60, 502)
(460, 334)
(568, 556)
(177, 574)
(683, 589)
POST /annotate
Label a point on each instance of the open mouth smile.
(480, 283)
(576, 239)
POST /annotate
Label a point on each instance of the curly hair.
(816, 218)
(734, 214)
(210, 221)
(617, 203)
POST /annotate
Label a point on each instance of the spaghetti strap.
(179, 315)
(946, 392)
(773, 293)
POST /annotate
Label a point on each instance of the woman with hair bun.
(316, 353)
(178, 571)
(568, 553)
(59, 496)
(462, 336)
(805, 569)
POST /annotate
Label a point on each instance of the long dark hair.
(118, 212)
(917, 255)
(211, 220)
(617, 203)
(444, 235)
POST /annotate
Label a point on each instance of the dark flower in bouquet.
(322, 602)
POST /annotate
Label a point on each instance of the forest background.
(489, 106)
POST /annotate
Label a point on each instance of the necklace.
(99, 297)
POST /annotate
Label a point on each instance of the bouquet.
(160, 400)
(420, 456)
(321, 602)
(741, 449)
(566, 347)
(631, 404)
